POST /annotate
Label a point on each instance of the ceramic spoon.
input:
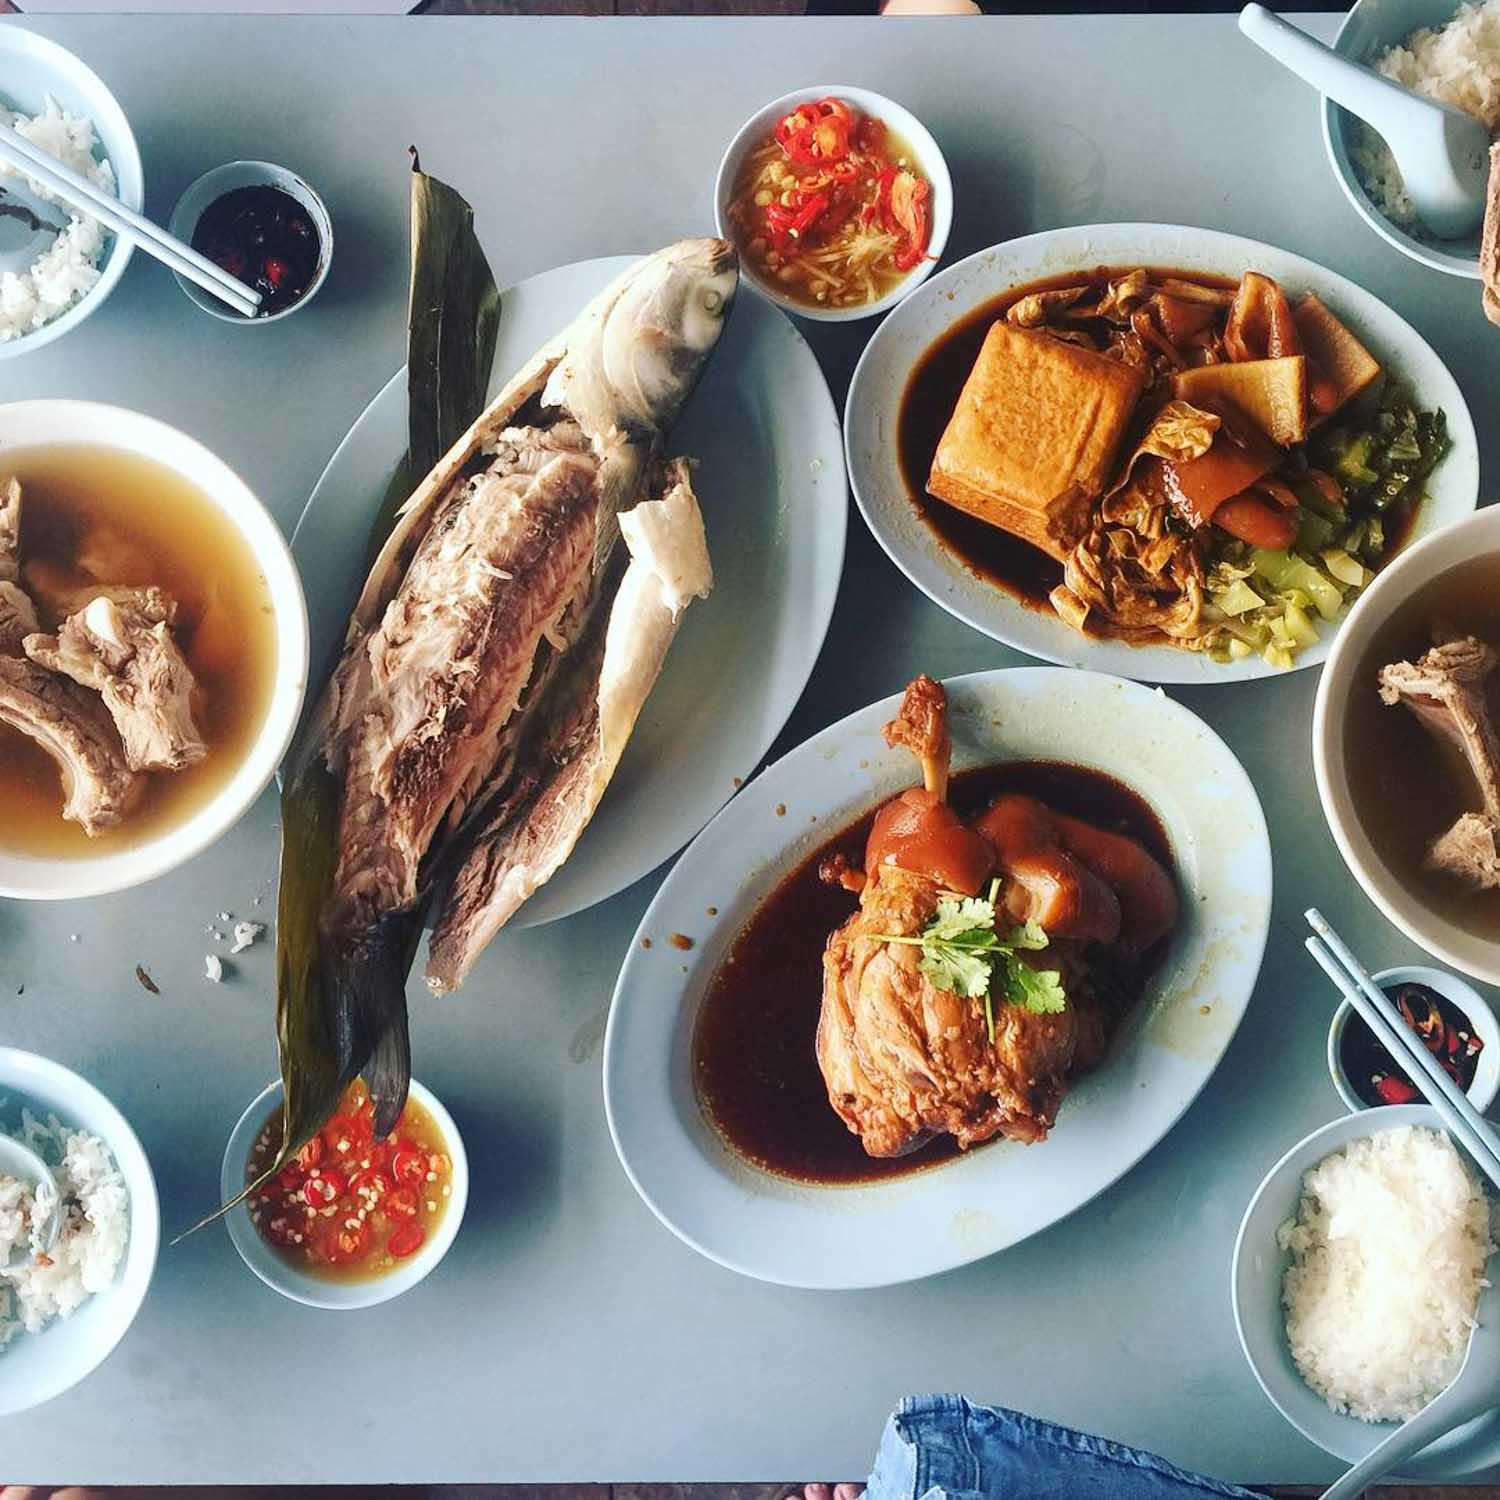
(23, 1163)
(1475, 1390)
(1443, 153)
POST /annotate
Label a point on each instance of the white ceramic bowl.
(31, 68)
(1475, 536)
(929, 159)
(36, 1367)
(309, 1290)
(36, 424)
(213, 185)
(1258, 1268)
(879, 387)
(1486, 1082)
(1368, 30)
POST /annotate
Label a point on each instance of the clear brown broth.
(1406, 787)
(157, 528)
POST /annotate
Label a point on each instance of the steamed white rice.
(1388, 1254)
(1457, 64)
(95, 1229)
(69, 267)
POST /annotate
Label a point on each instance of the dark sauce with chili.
(754, 1059)
(1447, 1032)
(265, 238)
(932, 392)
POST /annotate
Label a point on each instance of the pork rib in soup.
(137, 649)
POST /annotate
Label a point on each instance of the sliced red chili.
(409, 1165)
(311, 1154)
(406, 1240)
(344, 1240)
(1393, 1090)
(327, 1187)
(372, 1182)
(402, 1203)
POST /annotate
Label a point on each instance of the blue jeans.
(946, 1448)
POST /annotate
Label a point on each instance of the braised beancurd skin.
(830, 207)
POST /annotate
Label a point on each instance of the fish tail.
(365, 972)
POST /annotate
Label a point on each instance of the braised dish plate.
(766, 434)
(871, 431)
(876, 1233)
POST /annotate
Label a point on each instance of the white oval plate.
(771, 481)
(878, 1233)
(881, 377)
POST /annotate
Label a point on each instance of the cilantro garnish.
(962, 953)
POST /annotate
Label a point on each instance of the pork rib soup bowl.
(158, 669)
(1389, 786)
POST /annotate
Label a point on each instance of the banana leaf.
(453, 318)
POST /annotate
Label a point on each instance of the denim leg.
(943, 1447)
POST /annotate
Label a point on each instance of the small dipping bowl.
(313, 1291)
(212, 186)
(1486, 1084)
(929, 160)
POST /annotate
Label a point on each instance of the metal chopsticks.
(125, 222)
(1445, 1096)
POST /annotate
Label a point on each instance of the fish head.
(663, 326)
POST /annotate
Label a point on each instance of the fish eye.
(713, 300)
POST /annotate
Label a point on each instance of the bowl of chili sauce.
(838, 199)
(1454, 1023)
(266, 227)
(351, 1220)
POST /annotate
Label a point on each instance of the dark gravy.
(754, 1062)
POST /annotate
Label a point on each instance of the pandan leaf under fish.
(326, 1039)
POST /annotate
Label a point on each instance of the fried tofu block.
(1334, 351)
(1033, 438)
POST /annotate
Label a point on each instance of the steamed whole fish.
(500, 652)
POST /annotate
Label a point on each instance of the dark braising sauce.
(754, 1056)
(931, 395)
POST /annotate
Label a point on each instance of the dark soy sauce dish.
(1446, 1031)
(754, 1063)
(264, 237)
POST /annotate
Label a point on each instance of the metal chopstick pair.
(77, 190)
(1445, 1096)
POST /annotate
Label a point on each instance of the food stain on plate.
(1189, 1020)
(971, 1226)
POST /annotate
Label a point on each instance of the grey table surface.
(568, 1336)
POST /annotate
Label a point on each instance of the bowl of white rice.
(1443, 49)
(1357, 1273)
(57, 265)
(62, 1313)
